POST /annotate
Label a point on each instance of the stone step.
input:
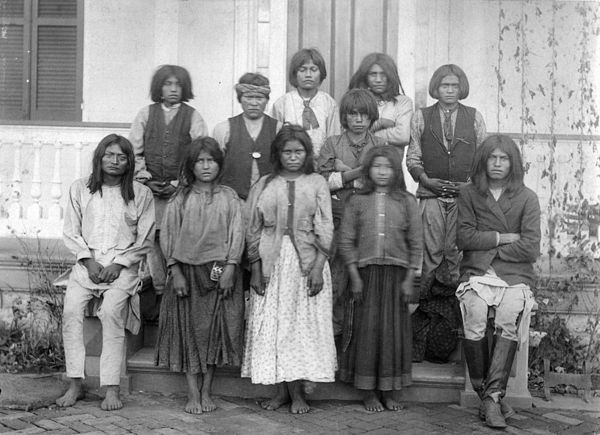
(431, 382)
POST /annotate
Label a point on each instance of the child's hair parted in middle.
(304, 56)
(162, 74)
(398, 186)
(361, 101)
(290, 132)
(186, 170)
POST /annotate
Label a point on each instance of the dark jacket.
(481, 217)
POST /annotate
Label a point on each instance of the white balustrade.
(15, 210)
(55, 212)
(34, 211)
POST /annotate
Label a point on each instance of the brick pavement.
(146, 413)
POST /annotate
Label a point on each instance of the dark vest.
(164, 144)
(454, 163)
(238, 158)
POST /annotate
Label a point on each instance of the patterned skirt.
(202, 328)
(290, 335)
(378, 339)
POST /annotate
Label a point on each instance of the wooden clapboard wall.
(344, 31)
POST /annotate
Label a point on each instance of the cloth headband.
(243, 88)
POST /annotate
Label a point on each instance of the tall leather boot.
(497, 378)
(478, 361)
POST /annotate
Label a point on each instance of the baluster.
(55, 210)
(15, 210)
(78, 151)
(34, 211)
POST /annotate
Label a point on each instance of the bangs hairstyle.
(361, 101)
(398, 186)
(96, 180)
(255, 79)
(514, 180)
(186, 169)
(304, 56)
(288, 133)
(387, 64)
(162, 74)
(449, 70)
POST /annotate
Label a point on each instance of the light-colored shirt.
(400, 112)
(290, 106)
(203, 227)
(221, 134)
(138, 127)
(300, 208)
(103, 227)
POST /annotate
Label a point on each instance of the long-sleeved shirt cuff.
(497, 238)
(416, 172)
(143, 175)
(326, 252)
(123, 261)
(335, 181)
(83, 255)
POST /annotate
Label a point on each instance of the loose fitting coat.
(481, 217)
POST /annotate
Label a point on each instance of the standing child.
(201, 318)
(306, 105)
(340, 162)
(290, 335)
(160, 134)
(380, 242)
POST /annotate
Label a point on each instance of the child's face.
(206, 169)
(114, 161)
(498, 165)
(377, 81)
(358, 123)
(449, 89)
(308, 76)
(253, 104)
(381, 172)
(293, 156)
(171, 91)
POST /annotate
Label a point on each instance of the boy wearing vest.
(159, 134)
(443, 140)
(246, 138)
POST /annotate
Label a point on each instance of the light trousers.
(112, 314)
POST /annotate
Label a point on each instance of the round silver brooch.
(256, 155)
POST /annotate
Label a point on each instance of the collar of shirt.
(168, 109)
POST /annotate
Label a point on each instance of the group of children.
(316, 223)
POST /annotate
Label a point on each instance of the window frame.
(29, 114)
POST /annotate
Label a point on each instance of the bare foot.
(112, 400)
(72, 395)
(371, 402)
(299, 405)
(390, 402)
(193, 406)
(309, 387)
(207, 403)
(281, 398)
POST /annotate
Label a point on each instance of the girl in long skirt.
(201, 317)
(290, 334)
(380, 243)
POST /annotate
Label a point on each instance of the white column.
(34, 211)
(55, 210)
(15, 211)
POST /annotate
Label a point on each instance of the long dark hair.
(288, 133)
(97, 178)
(186, 168)
(162, 74)
(514, 180)
(449, 70)
(387, 64)
(398, 186)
